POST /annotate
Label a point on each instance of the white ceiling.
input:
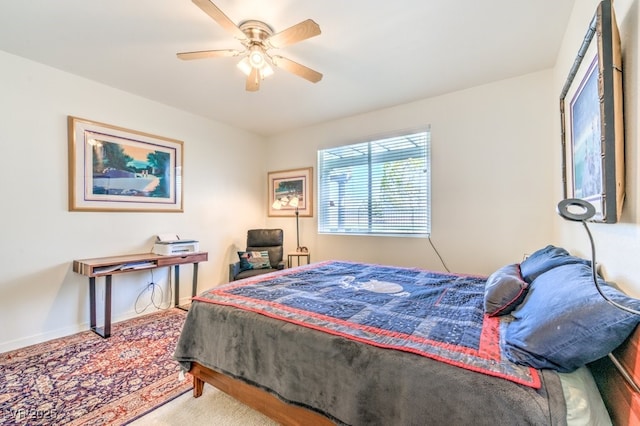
(373, 53)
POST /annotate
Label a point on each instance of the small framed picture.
(291, 192)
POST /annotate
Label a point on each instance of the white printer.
(171, 244)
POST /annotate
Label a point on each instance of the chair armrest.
(234, 269)
(282, 264)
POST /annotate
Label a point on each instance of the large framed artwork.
(291, 192)
(121, 170)
(592, 120)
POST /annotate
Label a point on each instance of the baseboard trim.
(23, 342)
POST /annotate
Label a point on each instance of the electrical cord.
(437, 253)
(151, 286)
(152, 301)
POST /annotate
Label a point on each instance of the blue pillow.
(565, 323)
(254, 260)
(504, 290)
(545, 259)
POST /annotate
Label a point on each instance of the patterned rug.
(84, 379)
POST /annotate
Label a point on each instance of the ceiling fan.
(258, 38)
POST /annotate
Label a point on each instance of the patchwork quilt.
(427, 313)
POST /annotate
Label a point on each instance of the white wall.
(617, 245)
(40, 296)
(491, 178)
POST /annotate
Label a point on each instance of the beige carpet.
(212, 408)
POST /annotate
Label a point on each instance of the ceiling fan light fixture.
(266, 70)
(256, 57)
(245, 66)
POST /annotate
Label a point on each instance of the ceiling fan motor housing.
(256, 31)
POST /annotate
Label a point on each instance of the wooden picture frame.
(592, 120)
(116, 169)
(284, 185)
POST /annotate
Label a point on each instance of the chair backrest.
(271, 240)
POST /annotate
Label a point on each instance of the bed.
(350, 343)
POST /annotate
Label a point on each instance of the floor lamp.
(293, 202)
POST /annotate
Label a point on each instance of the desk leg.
(92, 303)
(176, 281)
(106, 330)
(194, 285)
(107, 307)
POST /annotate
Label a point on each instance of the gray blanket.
(355, 383)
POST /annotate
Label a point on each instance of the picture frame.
(120, 170)
(284, 186)
(592, 123)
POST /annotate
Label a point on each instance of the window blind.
(379, 187)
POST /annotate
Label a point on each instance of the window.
(380, 187)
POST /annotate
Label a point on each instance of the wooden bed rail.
(256, 398)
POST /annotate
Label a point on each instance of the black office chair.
(258, 240)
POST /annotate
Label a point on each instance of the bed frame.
(256, 398)
(616, 377)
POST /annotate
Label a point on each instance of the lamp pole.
(297, 230)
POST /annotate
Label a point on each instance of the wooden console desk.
(108, 266)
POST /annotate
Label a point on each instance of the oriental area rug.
(84, 379)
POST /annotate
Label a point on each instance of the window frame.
(387, 153)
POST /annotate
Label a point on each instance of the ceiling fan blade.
(253, 80)
(297, 69)
(186, 56)
(301, 31)
(219, 16)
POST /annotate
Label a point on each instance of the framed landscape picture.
(116, 169)
(592, 120)
(291, 191)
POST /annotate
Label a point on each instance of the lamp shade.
(576, 209)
